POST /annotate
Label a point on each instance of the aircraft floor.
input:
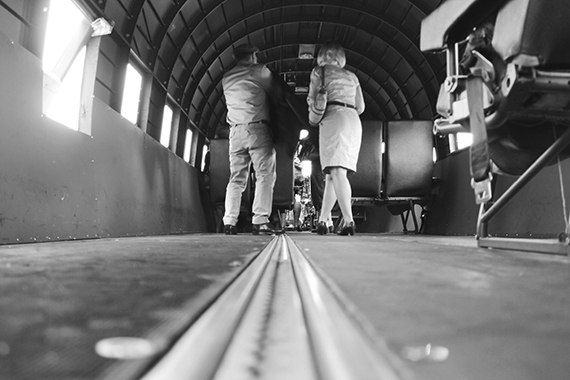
(500, 314)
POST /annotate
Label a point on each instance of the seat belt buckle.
(482, 189)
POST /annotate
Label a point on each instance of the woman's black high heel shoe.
(322, 228)
(347, 229)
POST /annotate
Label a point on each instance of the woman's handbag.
(317, 108)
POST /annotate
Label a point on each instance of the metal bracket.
(483, 67)
(482, 189)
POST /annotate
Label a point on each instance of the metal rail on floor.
(277, 320)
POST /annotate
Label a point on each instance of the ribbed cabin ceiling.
(188, 46)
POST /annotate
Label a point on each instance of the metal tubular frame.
(410, 202)
(406, 215)
(560, 248)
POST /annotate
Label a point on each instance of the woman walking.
(340, 132)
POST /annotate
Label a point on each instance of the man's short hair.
(331, 53)
(243, 51)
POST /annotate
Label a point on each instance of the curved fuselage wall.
(58, 184)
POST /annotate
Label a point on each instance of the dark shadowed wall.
(56, 183)
(537, 210)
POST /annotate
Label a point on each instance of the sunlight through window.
(166, 126)
(464, 139)
(306, 168)
(64, 19)
(205, 151)
(64, 107)
(131, 94)
(188, 146)
(62, 88)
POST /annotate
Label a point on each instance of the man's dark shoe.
(263, 229)
(230, 229)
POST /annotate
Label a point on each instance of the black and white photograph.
(284, 190)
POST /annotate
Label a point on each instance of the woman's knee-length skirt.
(340, 135)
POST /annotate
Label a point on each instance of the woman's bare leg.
(329, 199)
(343, 192)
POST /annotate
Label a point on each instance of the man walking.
(246, 89)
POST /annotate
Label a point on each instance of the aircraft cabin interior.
(114, 165)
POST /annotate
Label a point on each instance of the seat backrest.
(436, 25)
(408, 158)
(287, 122)
(219, 169)
(534, 27)
(283, 192)
(453, 20)
(367, 181)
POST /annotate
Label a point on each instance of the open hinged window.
(69, 61)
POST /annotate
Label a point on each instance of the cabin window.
(464, 140)
(306, 168)
(459, 141)
(166, 127)
(63, 62)
(64, 104)
(188, 146)
(205, 150)
(131, 94)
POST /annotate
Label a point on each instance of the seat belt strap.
(479, 152)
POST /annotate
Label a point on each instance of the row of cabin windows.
(64, 75)
(67, 34)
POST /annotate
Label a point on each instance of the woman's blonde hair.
(331, 53)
